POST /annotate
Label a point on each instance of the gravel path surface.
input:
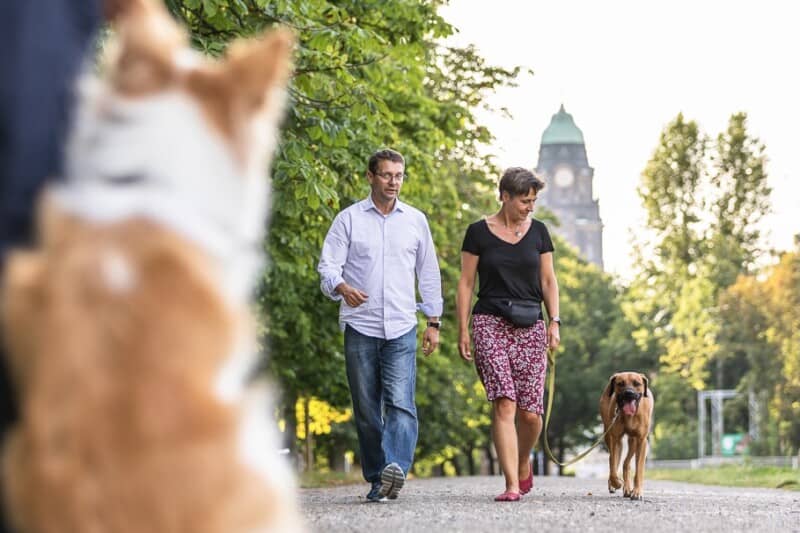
(556, 504)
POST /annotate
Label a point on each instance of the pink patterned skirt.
(511, 362)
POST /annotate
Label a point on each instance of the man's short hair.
(518, 181)
(384, 155)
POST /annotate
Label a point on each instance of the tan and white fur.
(128, 327)
(627, 403)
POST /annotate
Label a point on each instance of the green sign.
(732, 444)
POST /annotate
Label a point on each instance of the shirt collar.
(368, 204)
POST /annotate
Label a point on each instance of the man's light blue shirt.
(381, 255)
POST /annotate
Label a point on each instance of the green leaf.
(210, 7)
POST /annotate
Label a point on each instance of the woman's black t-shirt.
(507, 270)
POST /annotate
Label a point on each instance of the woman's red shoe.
(525, 485)
(507, 497)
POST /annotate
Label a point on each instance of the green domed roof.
(562, 130)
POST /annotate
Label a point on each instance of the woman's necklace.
(518, 231)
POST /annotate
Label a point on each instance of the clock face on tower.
(564, 176)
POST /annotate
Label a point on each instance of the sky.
(624, 70)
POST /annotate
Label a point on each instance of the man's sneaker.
(374, 495)
(392, 480)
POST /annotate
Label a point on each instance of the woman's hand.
(553, 335)
(465, 346)
(466, 286)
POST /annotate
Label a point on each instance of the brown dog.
(628, 398)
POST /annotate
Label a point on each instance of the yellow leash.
(551, 359)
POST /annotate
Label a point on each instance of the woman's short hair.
(518, 181)
(384, 155)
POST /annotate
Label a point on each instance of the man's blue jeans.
(382, 375)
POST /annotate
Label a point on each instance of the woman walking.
(512, 256)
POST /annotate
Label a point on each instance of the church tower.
(564, 167)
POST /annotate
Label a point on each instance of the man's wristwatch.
(432, 324)
(556, 319)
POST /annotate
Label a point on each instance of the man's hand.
(430, 340)
(352, 296)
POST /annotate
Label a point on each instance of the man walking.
(371, 255)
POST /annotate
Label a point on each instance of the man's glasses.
(387, 176)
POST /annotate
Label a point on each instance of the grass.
(316, 480)
(734, 476)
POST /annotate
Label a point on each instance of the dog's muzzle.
(628, 401)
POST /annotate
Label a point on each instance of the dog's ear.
(610, 387)
(646, 383)
(259, 65)
(142, 59)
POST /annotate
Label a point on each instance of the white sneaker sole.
(392, 480)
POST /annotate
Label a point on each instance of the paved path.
(444, 505)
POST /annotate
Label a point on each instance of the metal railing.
(691, 464)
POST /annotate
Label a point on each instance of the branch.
(348, 66)
(316, 103)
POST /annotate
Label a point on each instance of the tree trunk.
(490, 459)
(290, 419)
(457, 466)
(336, 457)
(309, 455)
(471, 461)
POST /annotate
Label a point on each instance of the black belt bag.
(521, 313)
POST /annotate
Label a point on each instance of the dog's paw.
(628, 490)
(635, 494)
(613, 484)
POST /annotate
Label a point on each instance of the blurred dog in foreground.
(627, 403)
(128, 328)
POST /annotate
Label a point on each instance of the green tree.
(673, 246)
(741, 200)
(670, 191)
(703, 202)
(762, 317)
(744, 315)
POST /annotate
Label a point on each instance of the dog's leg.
(614, 455)
(633, 444)
(21, 297)
(17, 481)
(641, 457)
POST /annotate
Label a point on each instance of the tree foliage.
(703, 201)
(741, 198)
(670, 192)
(763, 314)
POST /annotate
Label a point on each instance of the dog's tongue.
(629, 408)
